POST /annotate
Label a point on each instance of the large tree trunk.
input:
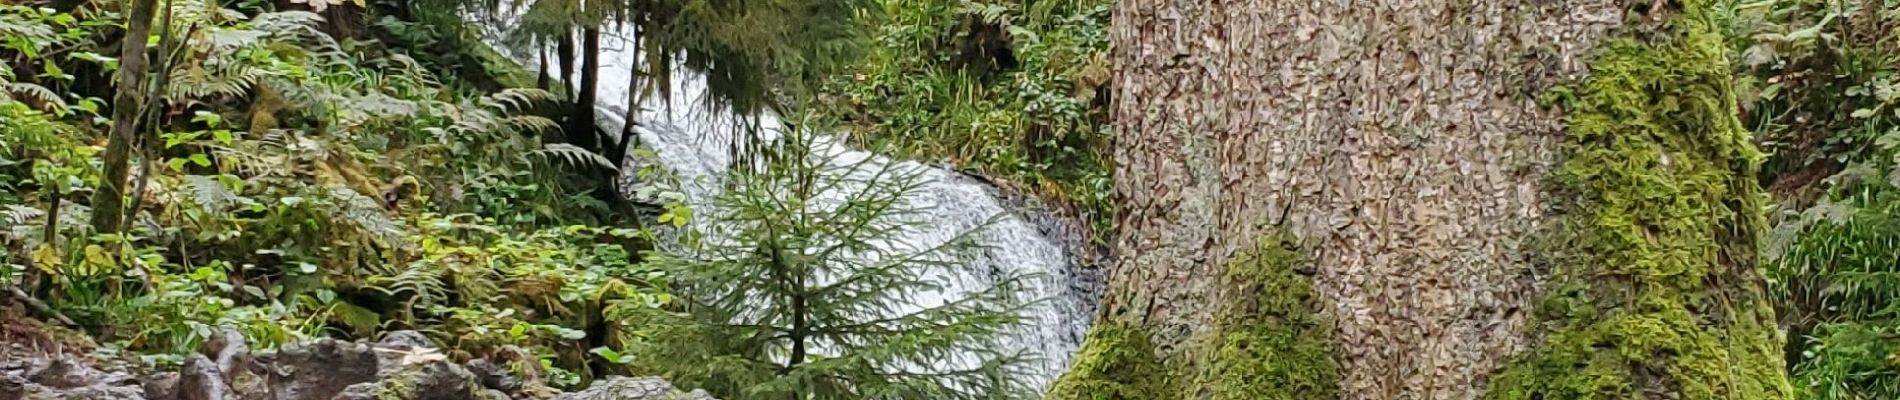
(1402, 143)
(108, 201)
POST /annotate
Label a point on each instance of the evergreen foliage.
(796, 291)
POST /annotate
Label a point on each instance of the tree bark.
(108, 201)
(1400, 140)
(564, 55)
(580, 119)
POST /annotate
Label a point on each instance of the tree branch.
(38, 306)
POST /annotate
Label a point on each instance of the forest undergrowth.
(301, 175)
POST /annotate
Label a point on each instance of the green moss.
(504, 71)
(1268, 343)
(1117, 362)
(1655, 291)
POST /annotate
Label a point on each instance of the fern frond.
(17, 222)
(198, 83)
(366, 214)
(14, 215)
(37, 92)
(207, 192)
(531, 123)
(286, 22)
(517, 99)
(576, 156)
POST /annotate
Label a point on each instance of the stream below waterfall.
(691, 140)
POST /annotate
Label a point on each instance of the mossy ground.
(1268, 343)
(1655, 293)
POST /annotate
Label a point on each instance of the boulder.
(201, 379)
(403, 365)
(27, 375)
(624, 388)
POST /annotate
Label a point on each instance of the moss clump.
(504, 71)
(1655, 292)
(1117, 362)
(1269, 342)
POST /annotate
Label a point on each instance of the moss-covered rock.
(1655, 292)
(1268, 343)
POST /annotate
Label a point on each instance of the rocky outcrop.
(404, 365)
(624, 388)
(61, 377)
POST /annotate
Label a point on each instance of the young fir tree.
(797, 290)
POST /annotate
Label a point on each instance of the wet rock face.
(402, 366)
(61, 377)
(624, 388)
(317, 370)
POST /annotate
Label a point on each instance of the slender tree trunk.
(1402, 143)
(564, 54)
(580, 120)
(108, 201)
(541, 77)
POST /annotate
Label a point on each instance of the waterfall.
(691, 140)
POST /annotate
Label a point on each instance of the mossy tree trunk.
(1404, 146)
(108, 200)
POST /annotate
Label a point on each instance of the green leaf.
(201, 160)
(210, 119)
(610, 355)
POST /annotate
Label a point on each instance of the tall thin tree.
(108, 200)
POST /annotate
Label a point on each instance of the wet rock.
(201, 379)
(430, 380)
(162, 386)
(624, 388)
(63, 372)
(63, 377)
(401, 366)
(493, 376)
(228, 350)
(319, 370)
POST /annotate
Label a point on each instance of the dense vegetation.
(1817, 79)
(1017, 91)
(299, 169)
(289, 184)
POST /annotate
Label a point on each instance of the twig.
(39, 306)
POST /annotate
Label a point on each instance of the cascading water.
(692, 141)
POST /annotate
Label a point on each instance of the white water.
(692, 141)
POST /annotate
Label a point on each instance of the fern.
(211, 193)
(576, 156)
(17, 221)
(35, 92)
(366, 214)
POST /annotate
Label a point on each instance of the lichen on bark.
(1655, 293)
(1269, 342)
